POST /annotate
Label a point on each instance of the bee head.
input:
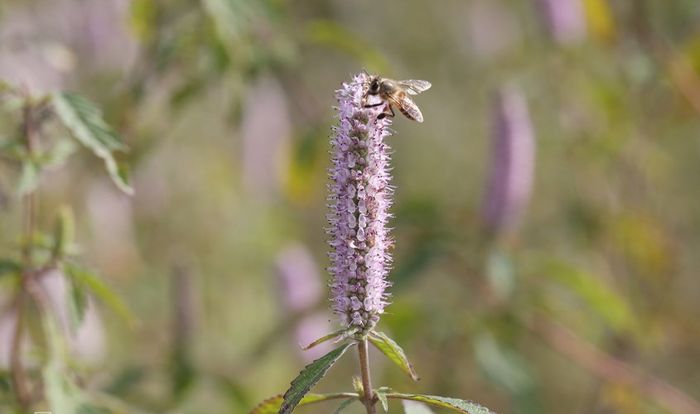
(374, 86)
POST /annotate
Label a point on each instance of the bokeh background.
(547, 214)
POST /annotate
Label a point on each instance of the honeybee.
(393, 92)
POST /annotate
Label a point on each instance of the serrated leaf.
(309, 376)
(381, 396)
(84, 120)
(393, 351)
(415, 407)
(272, 405)
(454, 404)
(95, 285)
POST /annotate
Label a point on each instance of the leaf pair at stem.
(298, 394)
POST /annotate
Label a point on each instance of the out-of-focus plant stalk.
(29, 201)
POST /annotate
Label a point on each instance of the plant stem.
(18, 374)
(368, 398)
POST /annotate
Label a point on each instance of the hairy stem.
(368, 398)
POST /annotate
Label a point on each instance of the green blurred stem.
(19, 376)
(368, 398)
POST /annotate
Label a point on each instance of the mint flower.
(359, 198)
(513, 162)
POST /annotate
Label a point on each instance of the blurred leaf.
(29, 178)
(272, 405)
(64, 232)
(9, 267)
(85, 122)
(333, 35)
(600, 19)
(393, 351)
(92, 282)
(643, 242)
(607, 303)
(78, 302)
(59, 153)
(143, 14)
(415, 407)
(500, 274)
(62, 394)
(308, 377)
(502, 365)
(461, 406)
(344, 405)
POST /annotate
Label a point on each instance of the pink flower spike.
(359, 199)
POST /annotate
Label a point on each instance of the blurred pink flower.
(513, 161)
(565, 20)
(299, 280)
(266, 133)
(87, 341)
(493, 28)
(309, 329)
(301, 289)
(41, 48)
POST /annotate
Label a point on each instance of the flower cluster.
(359, 198)
(513, 162)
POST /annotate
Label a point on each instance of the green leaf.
(324, 338)
(62, 394)
(64, 232)
(309, 376)
(344, 405)
(93, 283)
(381, 395)
(85, 122)
(601, 298)
(502, 365)
(393, 351)
(357, 385)
(9, 267)
(272, 405)
(77, 304)
(415, 407)
(331, 34)
(460, 406)
(29, 178)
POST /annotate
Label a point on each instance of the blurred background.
(547, 218)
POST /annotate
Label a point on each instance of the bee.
(393, 92)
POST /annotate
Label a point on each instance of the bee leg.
(373, 105)
(385, 113)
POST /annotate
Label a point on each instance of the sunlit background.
(547, 212)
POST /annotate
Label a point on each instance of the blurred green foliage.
(226, 106)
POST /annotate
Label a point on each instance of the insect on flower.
(393, 92)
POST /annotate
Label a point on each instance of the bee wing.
(415, 86)
(408, 108)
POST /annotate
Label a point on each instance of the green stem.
(368, 397)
